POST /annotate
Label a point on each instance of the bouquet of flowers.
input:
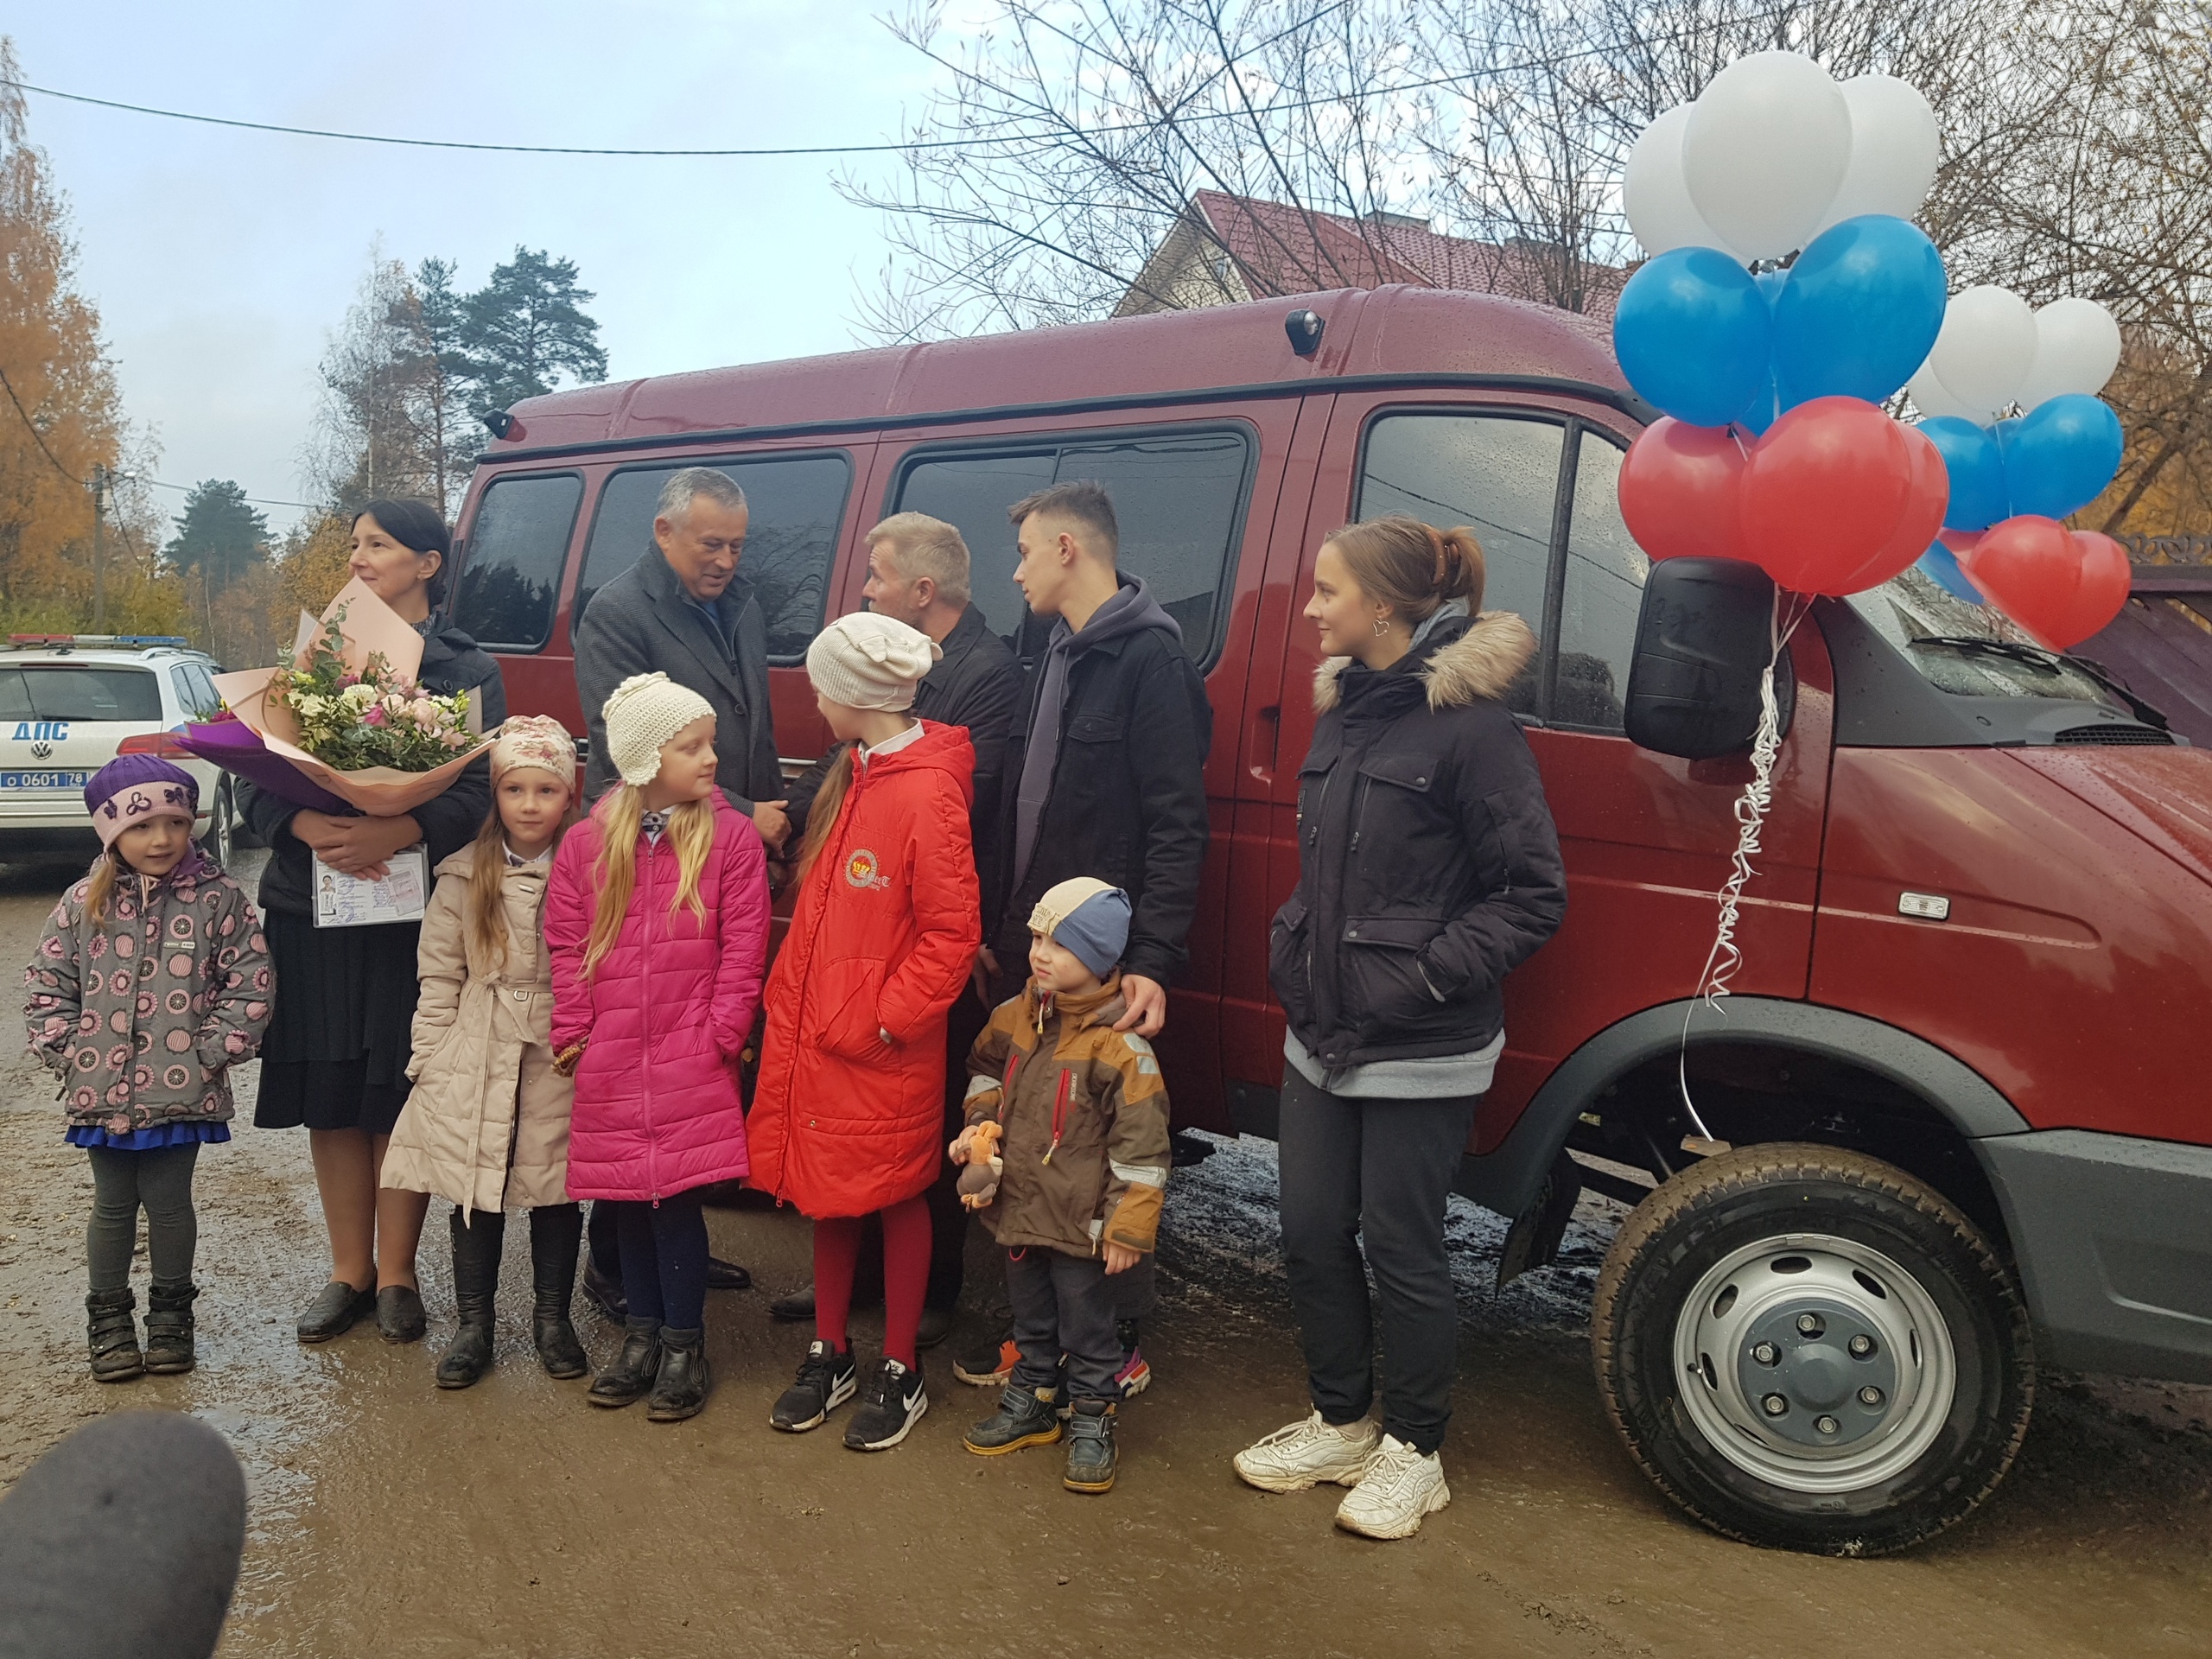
(345, 724)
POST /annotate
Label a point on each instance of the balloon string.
(1727, 956)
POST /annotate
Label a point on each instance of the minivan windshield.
(1956, 649)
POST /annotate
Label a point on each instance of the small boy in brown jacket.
(1083, 1167)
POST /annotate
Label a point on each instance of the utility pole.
(99, 548)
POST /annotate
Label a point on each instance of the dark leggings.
(161, 1179)
(1369, 1176)
(664, 1259)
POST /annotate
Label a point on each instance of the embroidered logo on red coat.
(861, 870)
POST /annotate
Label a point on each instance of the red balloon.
(1678, 489)
(1919, 523)
(1959, 543)
(1824, 492)
(2060, 585)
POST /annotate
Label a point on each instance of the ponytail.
(821, 815)
(1412, 567)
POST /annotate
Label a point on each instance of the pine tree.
(219, 535)
(527, 326)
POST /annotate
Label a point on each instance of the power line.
(37, 437)
(258, 501)
(976, 142)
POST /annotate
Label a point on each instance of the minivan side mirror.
(1701, 643)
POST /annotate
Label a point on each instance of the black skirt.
(340, 1029)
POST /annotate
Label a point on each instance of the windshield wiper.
(2050, 661)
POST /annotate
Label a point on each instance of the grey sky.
(218, 258)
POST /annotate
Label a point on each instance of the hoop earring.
(1382, 627)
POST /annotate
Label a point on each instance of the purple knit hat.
(131, 788)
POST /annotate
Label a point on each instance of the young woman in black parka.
(340, 1031)
(1428, 868)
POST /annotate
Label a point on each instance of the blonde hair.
(614, 877)
(822, 814)
(1410, 567)
(927, 547)
(101, 887)
(487, 878)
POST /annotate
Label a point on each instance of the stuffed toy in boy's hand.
(979, 1180)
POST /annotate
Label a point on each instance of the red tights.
(906, 1275)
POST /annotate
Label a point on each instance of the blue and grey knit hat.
(1087, 918)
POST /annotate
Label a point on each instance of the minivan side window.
(795, 503)
(1179, 497)
(1602, 594)
(511, 573)
(1499, 476)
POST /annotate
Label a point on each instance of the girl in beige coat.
(487, 1123)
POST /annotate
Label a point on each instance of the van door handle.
(1262, 739)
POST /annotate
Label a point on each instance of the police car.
(70, 703)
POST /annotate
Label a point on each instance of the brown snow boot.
(113, 1335)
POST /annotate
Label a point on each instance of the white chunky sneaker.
(1400, 1488)
(1300, 1455)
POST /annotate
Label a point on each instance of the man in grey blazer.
(684, 610)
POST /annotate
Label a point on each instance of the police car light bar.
(122, 641)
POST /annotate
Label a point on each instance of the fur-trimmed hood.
(1483, 662)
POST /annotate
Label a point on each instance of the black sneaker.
(892, 1402)
(1091, 1447)
(1024, 1417)
(826, 1381)
(989, 1368)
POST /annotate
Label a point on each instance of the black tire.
(1692, 1228)
(221, 839)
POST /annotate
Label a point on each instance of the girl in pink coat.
(657, 920)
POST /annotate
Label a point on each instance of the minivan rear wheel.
(1807, 1348)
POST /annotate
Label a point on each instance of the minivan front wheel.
(221, 839)
(1809, 1348)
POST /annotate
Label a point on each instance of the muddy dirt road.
(513, 1519)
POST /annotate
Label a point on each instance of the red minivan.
(1957, 1114)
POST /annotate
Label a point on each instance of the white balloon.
(1987, 341)
(1932, 398)
(2077, 347)
(1653, 195)
(1895, 146)
(1768, 142)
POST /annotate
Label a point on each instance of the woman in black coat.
(1428, 868)
(340, 1032)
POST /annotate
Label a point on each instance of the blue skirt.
(162, 1134)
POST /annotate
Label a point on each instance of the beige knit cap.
(643, 713)
(536, 740)
(868, 661)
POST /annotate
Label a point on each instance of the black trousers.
(1373, 1172)
(1064, 1304)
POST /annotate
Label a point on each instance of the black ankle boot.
(113, 1335)
(169, 1328)
(631, 1377)
(477, 1238)
(680, 1390)
(555, 1232)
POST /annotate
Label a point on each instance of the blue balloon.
(1980, 495)
(1942, 568)
(1693, 335)
(2060, 455)
(1859, 313)
(1766, 407)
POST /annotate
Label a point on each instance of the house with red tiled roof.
(1224, 249)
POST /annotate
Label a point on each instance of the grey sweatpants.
(1369, 1176)
(161, 1180)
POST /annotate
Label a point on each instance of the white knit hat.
(643, 713)
(868, 661)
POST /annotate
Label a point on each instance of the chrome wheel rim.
(1814, 1362)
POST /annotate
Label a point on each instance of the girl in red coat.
(847, 1118)
(657, 920)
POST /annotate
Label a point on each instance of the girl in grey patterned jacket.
(150, 983)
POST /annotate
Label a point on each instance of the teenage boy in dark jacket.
(1104, 778)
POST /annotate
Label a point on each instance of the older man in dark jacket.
(683, 610)
(918, 572)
